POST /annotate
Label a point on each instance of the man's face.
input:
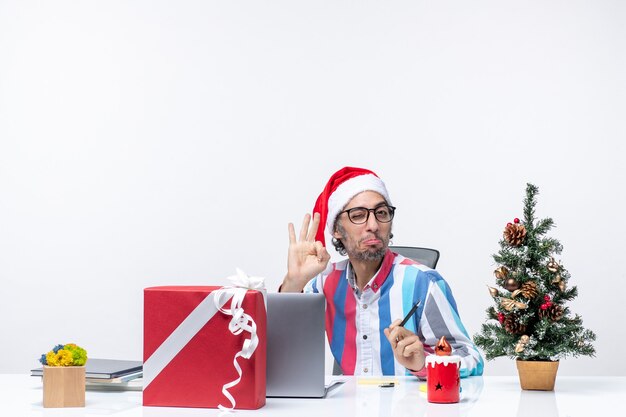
(367, 241)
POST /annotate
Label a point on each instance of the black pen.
(410, 313)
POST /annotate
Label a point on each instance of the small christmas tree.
(530, 320)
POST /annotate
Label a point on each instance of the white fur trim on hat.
(347, 190)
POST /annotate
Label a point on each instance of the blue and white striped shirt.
(355, 324)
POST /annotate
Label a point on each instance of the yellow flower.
(65, 357)
(51, 359)
(61, 358)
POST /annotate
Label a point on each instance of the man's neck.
(364, 271)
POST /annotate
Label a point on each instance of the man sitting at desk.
(373, 285)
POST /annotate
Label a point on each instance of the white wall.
(167, 142)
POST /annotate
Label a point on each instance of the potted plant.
(529, 320)
(64, 376)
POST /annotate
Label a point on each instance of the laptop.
(295, 345)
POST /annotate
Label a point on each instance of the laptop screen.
(295, 345)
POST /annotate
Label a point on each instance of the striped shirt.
(355, 320)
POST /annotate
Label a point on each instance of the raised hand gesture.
(306, 258)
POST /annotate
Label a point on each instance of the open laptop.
(295, 345)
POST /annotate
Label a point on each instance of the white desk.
(21, 395)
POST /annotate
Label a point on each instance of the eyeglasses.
(360, 215)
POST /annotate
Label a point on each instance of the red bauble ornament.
(516, 220)
(501, 317)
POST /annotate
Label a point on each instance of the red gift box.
(189, 349)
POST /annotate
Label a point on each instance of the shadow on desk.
(100, 403)
(537, 403)
(471, 390)
(409, 399)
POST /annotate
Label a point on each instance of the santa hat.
(341, 187)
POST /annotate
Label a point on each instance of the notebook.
(295, 345)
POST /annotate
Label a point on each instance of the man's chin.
(370, 254)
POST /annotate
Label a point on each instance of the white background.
(148, 143)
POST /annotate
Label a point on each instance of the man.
(373, 285)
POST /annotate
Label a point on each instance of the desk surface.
(21, 395)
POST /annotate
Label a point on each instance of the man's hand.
(306, 258)
(407, 347)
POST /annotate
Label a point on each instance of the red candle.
(443, 377)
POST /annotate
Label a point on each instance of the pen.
(410, 313)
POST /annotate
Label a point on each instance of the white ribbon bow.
(239, 323)
(243, 280)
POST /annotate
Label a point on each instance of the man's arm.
(441, 318)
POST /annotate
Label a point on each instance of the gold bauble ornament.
(494, 292)
(511, 284)
(553, 266)
(501, 273)
(521, 343)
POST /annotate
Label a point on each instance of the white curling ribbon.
(239, 323)
(243, 280)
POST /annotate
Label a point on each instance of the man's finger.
(411, 350)
(402, 337)
(320, 251)
(392, 336)
(409, 346)
(292, 234)
(313, 230)
(305, 227)
(395, 324)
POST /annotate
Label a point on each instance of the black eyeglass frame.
(392, 212)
